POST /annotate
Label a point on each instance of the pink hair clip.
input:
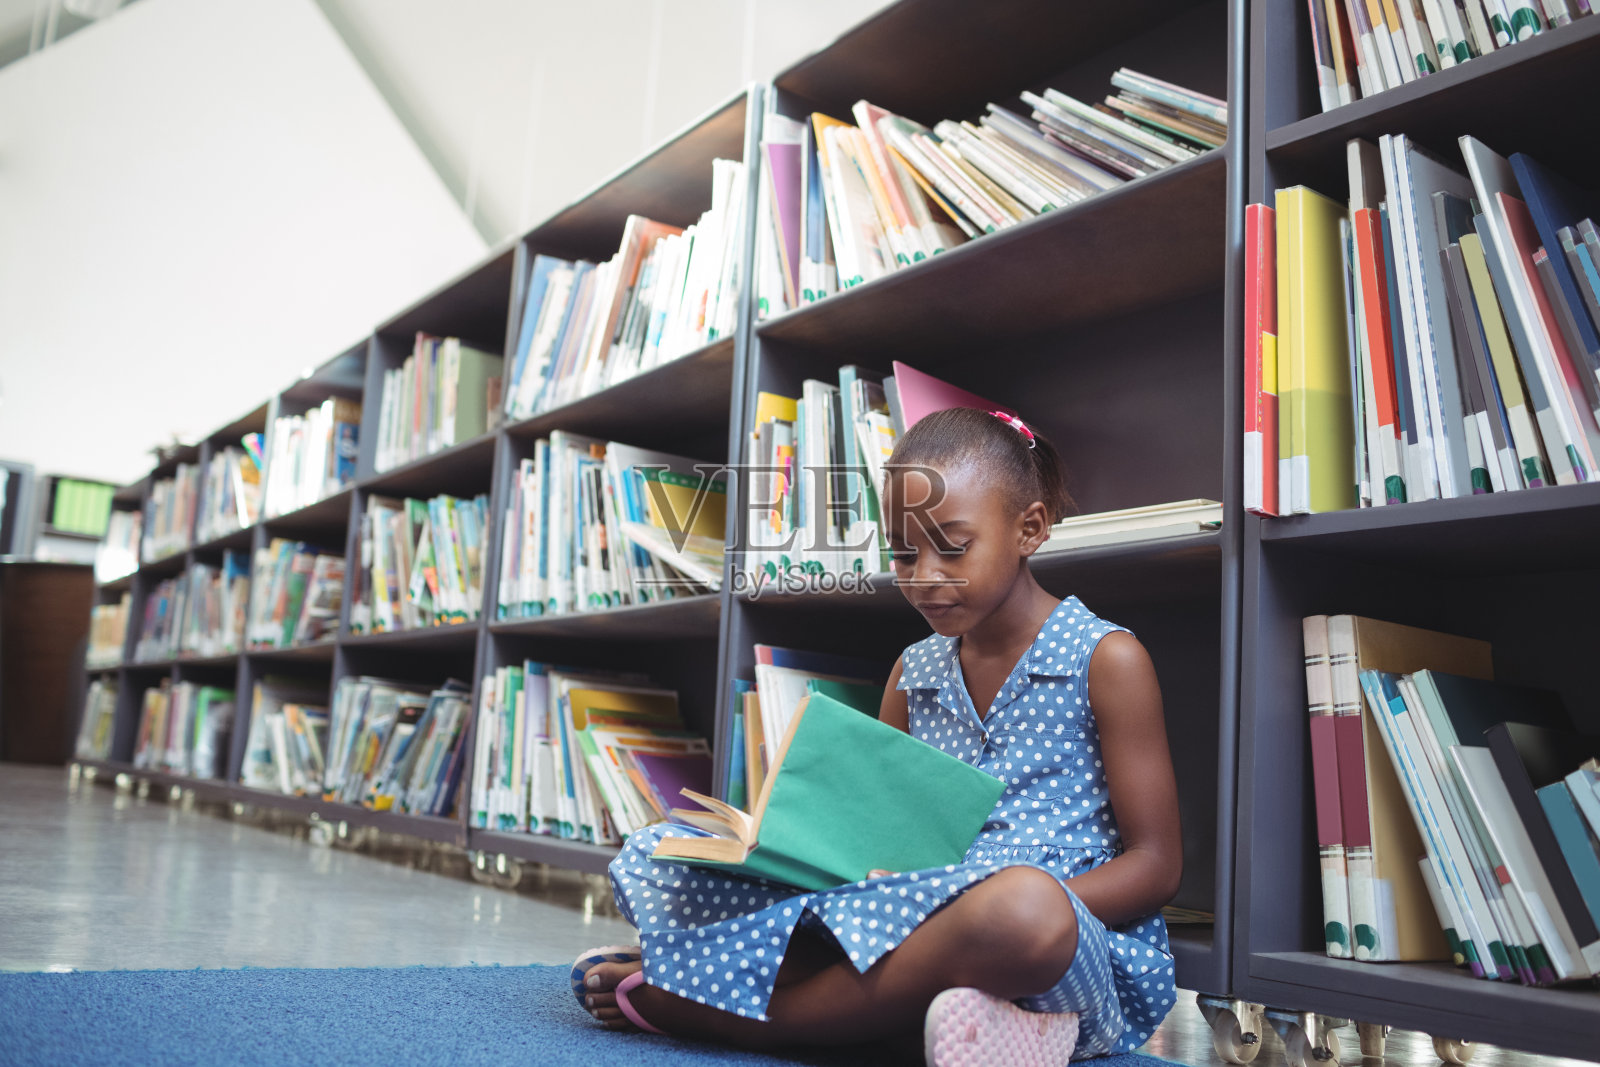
(1016, 424)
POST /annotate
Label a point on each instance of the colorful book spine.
(1261, 362)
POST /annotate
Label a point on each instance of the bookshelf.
(1516, 569)
(1115, 325)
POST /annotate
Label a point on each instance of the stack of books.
(1457, 817)
(162, 623)
(760, 711)
(667, 292)
(288, 736)
(230, 497)
(589, 756)
(391, 746)
(297, 590)
(184, 729)
(1436, 336)
(118, 555)
(169, 514)
(1151, 523)
(422, 563)
(108, 629)
(441, 396)
(591, 525)
(99, 716)
(216, 604)
(77, 506)
(842, 204)
(311, 456)
(1362, 47)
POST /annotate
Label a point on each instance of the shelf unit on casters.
(1517, 569)
(1106, 324)
(684, 406)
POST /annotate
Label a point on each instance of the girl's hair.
(967, 436)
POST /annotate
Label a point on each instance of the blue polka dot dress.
(720, 940)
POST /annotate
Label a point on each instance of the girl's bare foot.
(600, 997)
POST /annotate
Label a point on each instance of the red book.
(1375, 309)
(1261, 361)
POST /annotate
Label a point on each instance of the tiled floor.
(94, 879)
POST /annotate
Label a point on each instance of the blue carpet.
(456, 1016)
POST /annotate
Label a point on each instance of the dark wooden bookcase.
(1517, 569)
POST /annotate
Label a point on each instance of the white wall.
(198, 199)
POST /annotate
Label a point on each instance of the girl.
(1047, 942)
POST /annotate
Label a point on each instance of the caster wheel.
(1374, 1036)
(1454, 1050)
(482, 870)
(1301, 1050)
(320, 834)
(1236, 1040)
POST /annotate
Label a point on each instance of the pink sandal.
(970, 1028)
(626, 986)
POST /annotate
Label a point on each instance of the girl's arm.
(1126, 701)
(894, 710)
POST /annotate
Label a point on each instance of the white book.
(1492, 175)
(1419, 40)
(1488, 789)
(1425, 486)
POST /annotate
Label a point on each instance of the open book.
(845, 794)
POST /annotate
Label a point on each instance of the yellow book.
(771, 406)
(1315, 338)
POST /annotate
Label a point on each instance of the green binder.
(846, 794)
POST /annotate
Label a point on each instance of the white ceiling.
(522, 105)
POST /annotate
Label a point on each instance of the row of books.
(422, 563)
(169, 513)
(77, 506)
(386, 745)
(200, 612)
(1457, 817)
(299, 589)
(842, 204)
(762, 709)
(95, 731)
(184, 729)
(443, 394)
(591, 525)
(117, 555)
(1437, 336)
(584, 755)
(230, 495)
(667, 292)
(108, 631)
(1362, 47)
(310, 455)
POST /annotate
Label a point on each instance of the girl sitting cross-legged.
(1047, 942)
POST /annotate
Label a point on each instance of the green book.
(845, 795)
(865, 697)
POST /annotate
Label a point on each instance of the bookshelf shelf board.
(536, 848)
(659, 407)
(331, 511)
(171, 458)
(934, 59)
(427, 827)
(226, 659)
(343, 375)
(99, 767)
(254, 421)
(1141, 245)
(694, 616)
(150, 665)
(120, 583)
(430, 638)
(672, 184)
(310, 652)
(103, 668)
(1509, 99)
(1103, 576)
(1526, 531)
(168, 565)
(48, 530)
(205, 789)
(233, 539)
(460, 471)
(1436, 998)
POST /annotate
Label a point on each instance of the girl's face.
(956, 544)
